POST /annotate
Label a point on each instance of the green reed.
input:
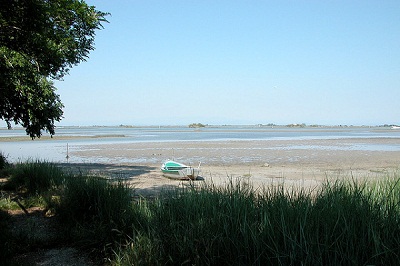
(343, 223)
(35, 176)
(96, 212)
(3, 161)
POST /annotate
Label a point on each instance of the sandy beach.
(300, 163)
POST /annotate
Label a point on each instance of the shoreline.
(357, 152)
(301, 160)
(62, 137)
(295, 163)
(125, 131)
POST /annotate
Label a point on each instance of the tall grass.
(4, 165)
(97, 211)
(3, 161)
(343, 223)
(35, 176)
(351, 225)
(93, 211)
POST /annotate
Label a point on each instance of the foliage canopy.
(40, 40)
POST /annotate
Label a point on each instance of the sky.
(239, 62)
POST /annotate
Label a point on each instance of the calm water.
(55, 150)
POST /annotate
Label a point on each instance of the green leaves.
(27, 97)
(41, 40)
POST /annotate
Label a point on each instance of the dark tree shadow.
(111, 171)
(125, 172)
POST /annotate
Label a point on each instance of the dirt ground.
(40, 228)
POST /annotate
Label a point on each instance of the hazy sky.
(239, 62)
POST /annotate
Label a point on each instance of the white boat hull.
(181, 171)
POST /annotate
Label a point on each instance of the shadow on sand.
(146, 181)
(112, 171)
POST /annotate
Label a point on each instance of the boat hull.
(192, 173)
(176, 170)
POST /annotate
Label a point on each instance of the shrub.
(36, 176)
(3, 161)
(4, 166)
(96, 210)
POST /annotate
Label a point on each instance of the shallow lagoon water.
(92, 138)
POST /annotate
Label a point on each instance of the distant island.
(201, 125)
(196, 125)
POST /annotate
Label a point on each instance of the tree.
(40, 40)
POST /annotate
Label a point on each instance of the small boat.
(176, 170)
